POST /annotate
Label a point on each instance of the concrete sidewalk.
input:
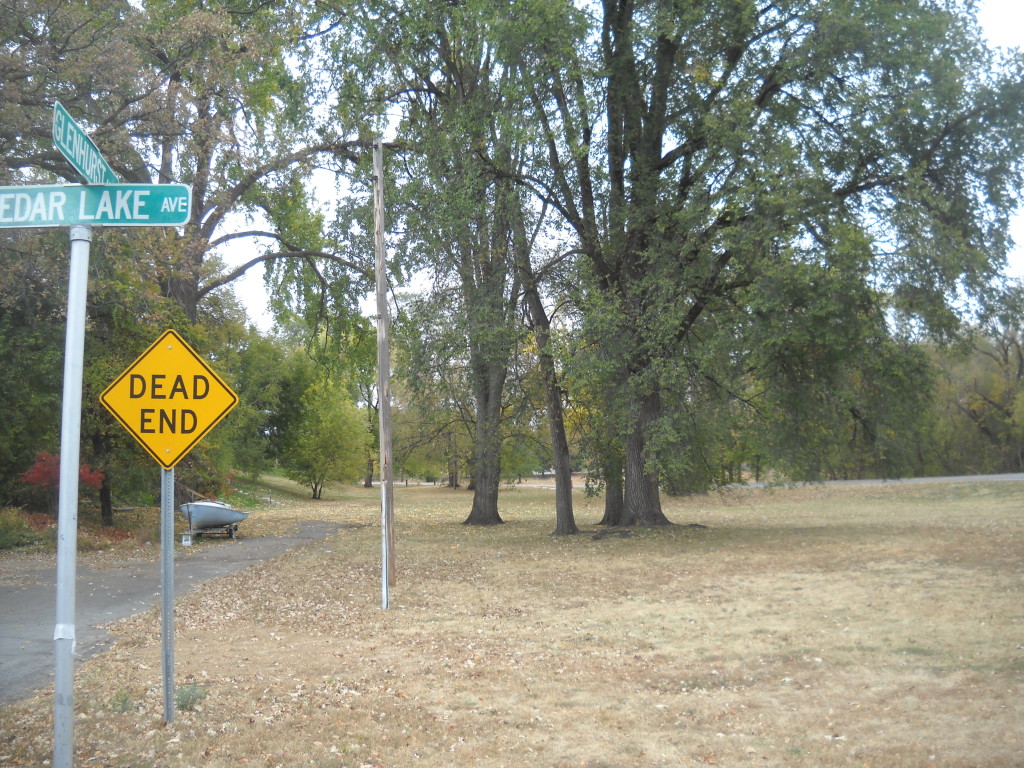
(28, 606)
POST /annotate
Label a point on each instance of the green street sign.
(110, 205)
(77, 147)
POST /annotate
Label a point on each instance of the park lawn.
(878, 625)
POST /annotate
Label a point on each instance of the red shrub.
(45, 473)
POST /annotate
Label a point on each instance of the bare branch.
(290, 252)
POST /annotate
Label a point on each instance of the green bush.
(15, 531)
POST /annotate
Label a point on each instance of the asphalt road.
(28, 607)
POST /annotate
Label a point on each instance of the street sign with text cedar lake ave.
(75, 144)
(111, 205)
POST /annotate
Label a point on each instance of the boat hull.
(211, 514)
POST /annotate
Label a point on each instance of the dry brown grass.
(842, 626)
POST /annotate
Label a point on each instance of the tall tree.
(539, 321)
(80, 55)
(209, 95)
(474, 215)
(228, 114)
(329, 442)
(705, 151)
(437, 64)
(206, 94)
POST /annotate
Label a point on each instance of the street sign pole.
(101, 202)
(167, 587)
(78, 148)
(67, 519)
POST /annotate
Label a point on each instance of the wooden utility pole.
(383, 380)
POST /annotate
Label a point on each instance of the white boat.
(206, 515)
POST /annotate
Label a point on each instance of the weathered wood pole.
(383, 380)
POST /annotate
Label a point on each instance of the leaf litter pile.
(813, 626)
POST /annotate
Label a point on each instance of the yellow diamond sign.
(168, 399)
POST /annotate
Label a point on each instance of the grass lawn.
(842, 626)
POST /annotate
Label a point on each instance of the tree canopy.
(749, 182)
(715, 236)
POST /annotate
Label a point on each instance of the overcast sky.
(1003, 23)
(1001, 20)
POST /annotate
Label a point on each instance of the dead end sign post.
(102, 201)
(168, 399)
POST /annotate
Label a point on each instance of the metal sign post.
(168, 399)
(76, 146)
(67, 505)
(167, 587)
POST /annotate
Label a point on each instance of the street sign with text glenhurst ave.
(112, 205)
(74, 143)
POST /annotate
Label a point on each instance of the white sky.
(1001, 20)
(1003, 23)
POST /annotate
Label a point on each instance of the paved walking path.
(28, 605)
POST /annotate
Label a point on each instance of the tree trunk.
(181, 285)
(487, 451)
(613, 495)
(565, 521)
(611, 472)
(101, 454)
(642, 491)
(106, 503)
(452, 460)
(485, 498)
